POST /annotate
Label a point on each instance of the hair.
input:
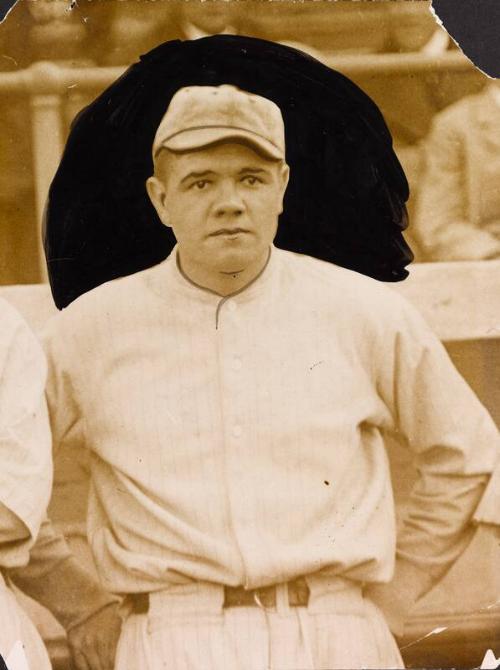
(164, 152)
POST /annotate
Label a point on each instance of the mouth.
(229, 233)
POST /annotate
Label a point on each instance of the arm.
(56, 580)
(12, 529)
(455, 445)
(441, 223)
(89, 615)
(25, 444)
(53, 576)
(488, 510)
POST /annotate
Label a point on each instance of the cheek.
(188, 220)
(268, 206)
(187, 212)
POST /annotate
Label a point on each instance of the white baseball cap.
(199, 116)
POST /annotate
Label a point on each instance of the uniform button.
(237, 431)
(236, 364)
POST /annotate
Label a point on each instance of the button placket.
(233, 334)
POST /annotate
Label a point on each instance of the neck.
(223, 283)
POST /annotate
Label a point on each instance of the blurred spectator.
(458, 208)
(195, 20)
(121, 31)
(133, 31)
(57, 33)
(413, 27)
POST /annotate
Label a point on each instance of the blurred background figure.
(457, 213)
(411, 29)
(132, 31)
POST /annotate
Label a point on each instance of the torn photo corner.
(473, 27)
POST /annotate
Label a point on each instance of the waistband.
(319, 593)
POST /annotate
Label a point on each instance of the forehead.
(217, 158)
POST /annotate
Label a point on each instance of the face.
(222, 204)
(212, 16)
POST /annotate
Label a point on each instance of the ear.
(157, 194)
(284, 176)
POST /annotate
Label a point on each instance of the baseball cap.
(199, 116)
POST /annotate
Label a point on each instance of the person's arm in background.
(488, 510)
(53, 576)
(456, 447)
(55, 579)
(12, 529)
(441, 225)
(487, 515)
(25, 442)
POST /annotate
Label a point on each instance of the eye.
(251, 180)
(200, 185)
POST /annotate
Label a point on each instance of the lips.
(228, 232)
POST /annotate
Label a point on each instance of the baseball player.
(234, 399)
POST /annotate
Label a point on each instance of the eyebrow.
(206, 173)
(197, 175)
(251, 170)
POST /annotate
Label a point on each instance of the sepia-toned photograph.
(249, 338)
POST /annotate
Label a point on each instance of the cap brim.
(199, 138)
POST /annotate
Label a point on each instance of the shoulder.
(455, 116)
(21, 355)
(10, 318)
(336, 284)
(92, 321)
(15, 332)
(124, 294)
(351, 297)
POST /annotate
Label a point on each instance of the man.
(234, 400)
(25, 475)
(458, 207)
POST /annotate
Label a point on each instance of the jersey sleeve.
(25, 441)
(65, 418)
(454, 441)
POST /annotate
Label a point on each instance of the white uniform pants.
(21, 646)
(187, 628)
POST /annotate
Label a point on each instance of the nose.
(229, 202)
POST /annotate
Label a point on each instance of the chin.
(236, 260)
